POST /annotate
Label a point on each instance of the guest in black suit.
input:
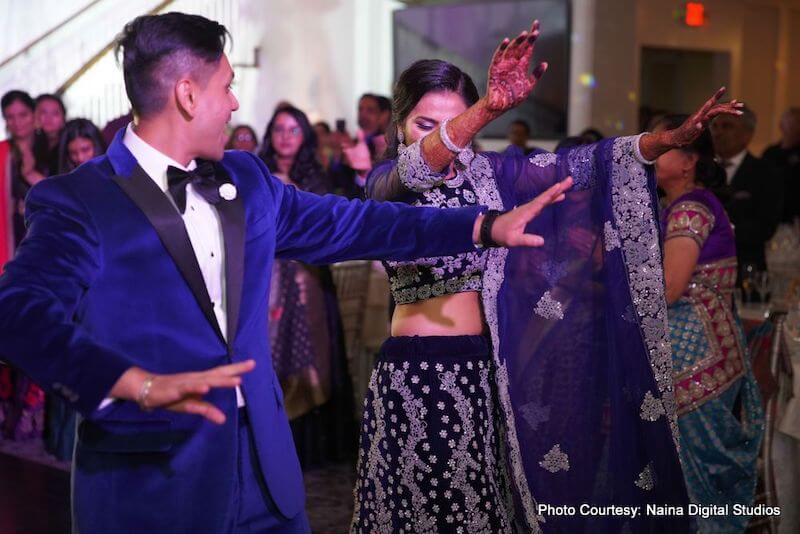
(753, 192)
(785, 155)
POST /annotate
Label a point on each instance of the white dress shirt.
(202, 224)
(733, 165)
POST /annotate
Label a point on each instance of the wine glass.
(748, 272)
(762, 280)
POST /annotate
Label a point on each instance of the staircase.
(74, 56)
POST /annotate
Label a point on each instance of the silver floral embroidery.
(456, 181)
(375, 461)
(543, 159)
(555, 460)
(492, 280)
(633, 214)
(651, 408)
(406, 278)
(461, 459)
(486, 190)
(426, 291)
(434, 198)
(549, 308)
(482, 178)
(581, 163)
(611, 237)
(645, 480)
(410, 461)
(414, 172)
(453, 203)
(491, 462)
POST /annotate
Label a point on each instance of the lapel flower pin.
(227, 191)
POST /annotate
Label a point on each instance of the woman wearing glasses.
(305, 325)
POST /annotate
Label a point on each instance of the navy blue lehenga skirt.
(430, 460)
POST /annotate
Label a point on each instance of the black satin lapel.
(169, 226)
(232, 220)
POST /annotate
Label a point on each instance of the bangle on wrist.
(144, 391)
(464, 155)
(637, 150)
(486, 228)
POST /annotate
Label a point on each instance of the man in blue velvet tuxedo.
(140, 296)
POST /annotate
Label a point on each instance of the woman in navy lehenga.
(520, 378)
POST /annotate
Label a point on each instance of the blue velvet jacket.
(106, 279)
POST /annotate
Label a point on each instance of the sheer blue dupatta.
(579, 333)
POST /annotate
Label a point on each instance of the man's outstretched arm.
(328, 229)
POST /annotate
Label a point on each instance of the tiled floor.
(34, 493)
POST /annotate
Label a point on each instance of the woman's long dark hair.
(707, 172)
(421, 78)
(41, 146)
(74, 129)
(306, 170)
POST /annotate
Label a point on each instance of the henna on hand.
(654, 145)
(509, 84)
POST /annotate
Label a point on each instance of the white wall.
(318, 54)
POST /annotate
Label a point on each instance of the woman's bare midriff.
(449, 315)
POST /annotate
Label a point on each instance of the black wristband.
(486, 228)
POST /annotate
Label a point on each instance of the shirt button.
(212, 254)
(192, 208)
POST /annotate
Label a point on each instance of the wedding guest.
(720, 416)
(21, 400)
(753, 191)
(243, 137)
(305, 326)
(785, 156)
(519, 132)
(50, 116)
(80, 141)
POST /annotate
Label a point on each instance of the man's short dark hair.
(384, 104)
(157, 49)
(15, 95)
(525, 125)
(749, 118)
(324, 125)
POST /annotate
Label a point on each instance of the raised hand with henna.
(510, 82)
(652, 146)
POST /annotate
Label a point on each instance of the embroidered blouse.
(409, 179)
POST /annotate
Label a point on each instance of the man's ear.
(186, 97)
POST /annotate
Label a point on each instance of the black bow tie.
(202, 178)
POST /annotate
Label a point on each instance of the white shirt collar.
(734, 163)
(150, 159)
(738, 158)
